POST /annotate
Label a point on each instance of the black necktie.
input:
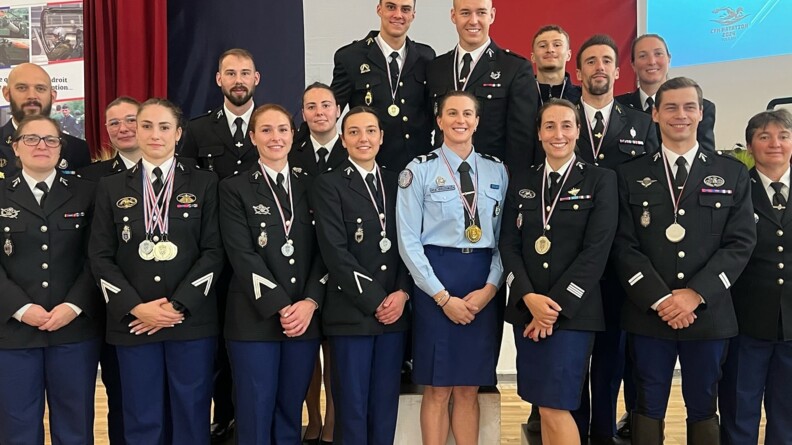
(239, 135)
(779, 202)
(466, 182)
(322, 161)
(283, 195)
(553, 186)
(394, 71)
(157, 184)
(371, 181)
(649, 104)
(466, 61)
(681, 175)
(599, 126)
(44, 188)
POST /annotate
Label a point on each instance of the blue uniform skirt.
(551, 372)
(444, 353)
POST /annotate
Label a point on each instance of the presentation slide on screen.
(711, 31)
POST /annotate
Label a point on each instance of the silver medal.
(385, 245)
(146, 250)
(675, 233)
(287, 249)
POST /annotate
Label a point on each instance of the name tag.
(442, 188)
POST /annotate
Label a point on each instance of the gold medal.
(161, 251)
(393, 110)
(675, 233)
(473, 233)
(542, 245)
(369, 97)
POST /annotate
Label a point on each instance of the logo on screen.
(729, 19)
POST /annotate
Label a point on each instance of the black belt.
(466, 250)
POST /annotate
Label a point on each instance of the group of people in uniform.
(217, 258)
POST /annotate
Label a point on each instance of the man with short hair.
(502, 81)
(650, 60)
(387, 72)
(686, 231)
(220, 141)
(551, 52)
(610, 134)
(320, 148)
(121, 126)
(29, 92)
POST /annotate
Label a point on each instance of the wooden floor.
(513, 414)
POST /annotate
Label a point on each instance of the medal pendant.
(8, 247)
(161, 251)
(287, 249)
(262, 239)
(172, 250)
(369, 98)
(473, 233)
(385, 245)
(146, 250)
(126, 234)
(393, 110)
(359, 235)
(542, 245)
(646, 218)
(519, 220)
(675, 233)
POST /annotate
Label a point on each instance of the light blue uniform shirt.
(429, 211)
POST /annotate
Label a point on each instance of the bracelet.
(438, 300)
(446, 300)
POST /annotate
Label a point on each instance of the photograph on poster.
(14, 36)
(71, 117)
(57, 33)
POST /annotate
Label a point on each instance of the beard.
(18, 112)
(598, 90)
(236, 100)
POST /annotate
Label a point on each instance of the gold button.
(717, 205)
(780, 281)
(780, 265)
(645, 204)
(405, 119)
(44, 247)
(291, 261)
(44, 284)
(780, 248)
(43, 228)
(406, 136)
(44, 266)
(489, 96)
(575, 207)
(126, 219)
(780, 232)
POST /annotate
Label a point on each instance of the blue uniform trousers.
(366, 372)
(67, 374)
(654, 360)
(271, 380)
(111, 379)
(183, 369)
(756, 369)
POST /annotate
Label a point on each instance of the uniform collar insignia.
(618, 109)
(303, 144)
(646, 182)
(753, 180)
(115, 164)
(580, 165)
(261, 209)
(656, 156)
(8, 140)
(256, 174)
(702, 156)
(219, 114)
(16, 182)
(297, 170)
(369, 41)
(349, 170)
(64, 181)
(9, 212)
(179, 164)
(3, 162)
(490, 52)
(134, 169)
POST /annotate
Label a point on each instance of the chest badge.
(126, 202)
(9, 212)
(527, 194)
(261, 210)
(646, 182)
(714, 181)
(495, 75)
(365, 68)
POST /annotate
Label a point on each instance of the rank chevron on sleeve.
(258, 280)
(204, 279)
(106, 286)
(358, 276)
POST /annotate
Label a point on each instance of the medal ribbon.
(546, 215)
(561, 96)
(674, 199)
(393, 88)
(286, 224)
(456, 68)
(156, 215)
(471, 209)
(383, 224)
(596, 150)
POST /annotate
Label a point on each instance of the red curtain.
(516, 22)
(126, 53)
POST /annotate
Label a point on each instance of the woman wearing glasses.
(121, 125)
(51, 316)
(156, 252)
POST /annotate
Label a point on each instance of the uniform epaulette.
(491, 158)
(298, 171)
(512, 53)
(427, 157)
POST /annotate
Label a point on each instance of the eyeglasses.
(115, 124)
(32, 140)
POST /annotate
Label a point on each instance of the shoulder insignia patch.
(405, 178)
(423, 158)
(490, 157)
